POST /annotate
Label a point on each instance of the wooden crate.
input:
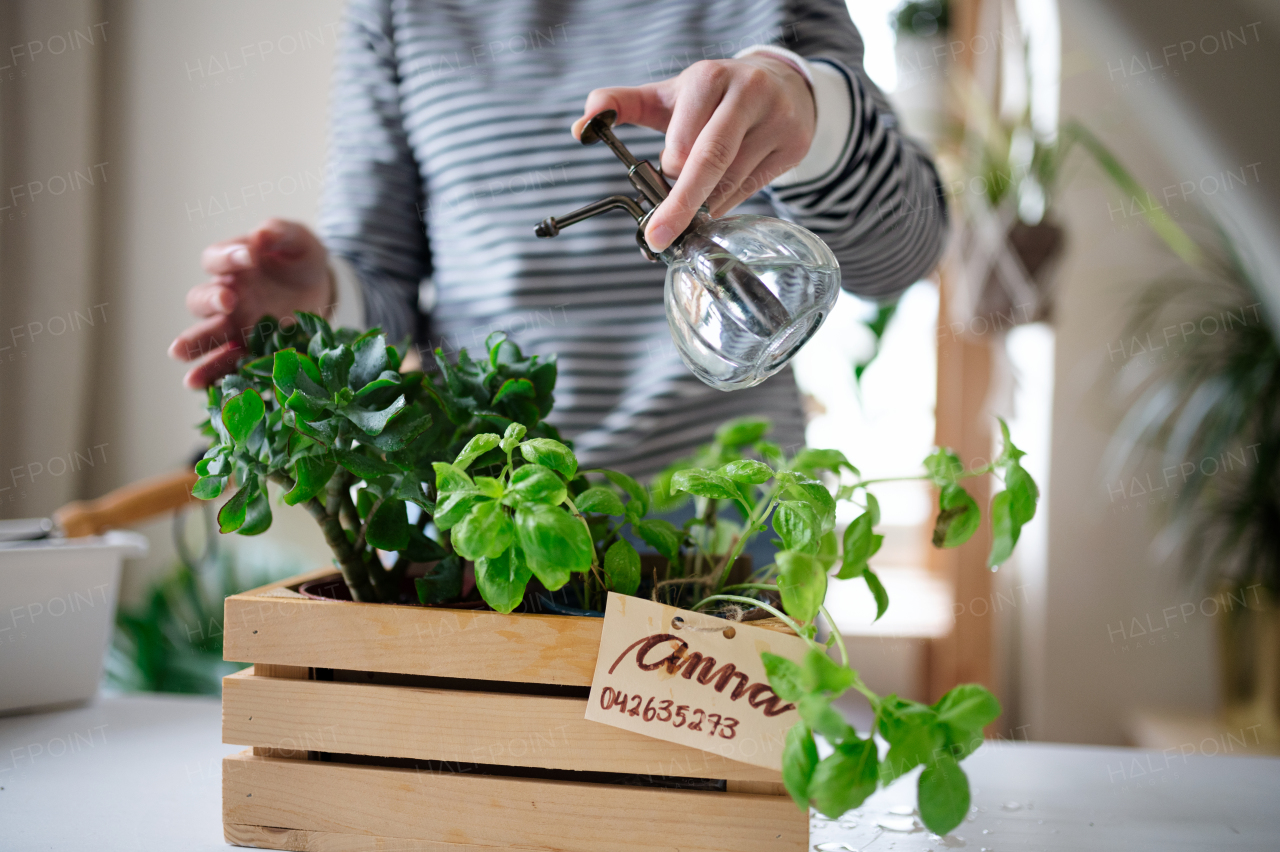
(380, 727)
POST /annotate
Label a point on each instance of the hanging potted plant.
(444, 701)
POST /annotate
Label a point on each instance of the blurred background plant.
(172, 642)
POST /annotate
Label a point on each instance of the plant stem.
(831, 622)
(786, 619)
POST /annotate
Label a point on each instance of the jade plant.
(328, 416)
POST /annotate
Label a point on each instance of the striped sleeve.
(373, 190)
(880, 208)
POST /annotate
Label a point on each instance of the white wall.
(208, 107)
(1109, 644)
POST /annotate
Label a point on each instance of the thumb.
(648, 106)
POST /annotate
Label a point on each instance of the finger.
(702, 89)
(211, 298)
(714, 151)
(227, 257)
(204, 337)
(219, 363)
(772, 167)
(648, 105)
(751, 153)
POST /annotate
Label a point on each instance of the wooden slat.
(295, 840)
(269, 670)
(453, 726)
(479, 810)
(555, 649)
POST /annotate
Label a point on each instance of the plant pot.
(437, 729)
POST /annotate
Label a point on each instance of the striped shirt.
(450, 141)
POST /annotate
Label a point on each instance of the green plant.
(325, 412)
(922, 18)
(173, 641)
(786, 495)
(1215, 400)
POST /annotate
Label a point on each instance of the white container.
(57, 611)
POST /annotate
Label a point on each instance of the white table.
(143, 773)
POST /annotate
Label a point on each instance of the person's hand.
(732, 127)
(278, 268)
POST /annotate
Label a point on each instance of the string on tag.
(678, 623)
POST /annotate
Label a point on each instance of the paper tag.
(692, 679)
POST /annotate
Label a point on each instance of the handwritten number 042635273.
(678, 715)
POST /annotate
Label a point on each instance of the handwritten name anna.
(681, 661)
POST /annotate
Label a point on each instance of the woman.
(449, 143)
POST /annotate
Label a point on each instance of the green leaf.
(502, 579)
(703, 483)
(422, 548)
(663, 536)
(818, 714)
(373, 422)
(522, 388)
(820, 673)
(363, 466)
(241, 413)
(802, 582)
(819, 499)
(622, 568)
(797, 525)
(335, 367)
(410, 490)
(600, 500)
(307, 407)
(489, 487)
(486, 531)
(873, 508)
(968, 706)
(442, 583)
(943, 795)
(555, 543)
(476, 447)
(1025, 493)
(636, 491)
(1004, 530)
(877, 589)
(914, 738)
(388, 527)
(512, 437)
(958, 517)
(944, 466)
(857, 547)
(799, 760)
(747, 470)
(292, 372)
(811, 460)
(552, 454)
(231, 515)
(742, 431)
(828, 550)
(310, 476)
(786, 677)
(209, 487)
(1010, 452)
(452, 508)
(370, 359)
(844, 779)
(257, 516)
(533, 483)
(451, 480)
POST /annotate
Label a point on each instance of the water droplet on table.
(903, 810)
(1011, 806)
(898, 823)
(833, 846)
